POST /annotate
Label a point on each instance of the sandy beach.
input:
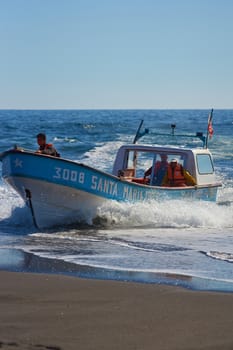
(57, 312)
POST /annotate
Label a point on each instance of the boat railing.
(199, 135)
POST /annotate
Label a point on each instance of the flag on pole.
(210, 125)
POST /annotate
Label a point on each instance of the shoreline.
(58, 312)
(16, 260)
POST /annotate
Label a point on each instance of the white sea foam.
(102, 155)
(221, 256)
(13, 209)
(9, 201)
(175, 213)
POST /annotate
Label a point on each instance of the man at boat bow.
(46, 148)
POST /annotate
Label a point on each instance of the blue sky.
(94, 54)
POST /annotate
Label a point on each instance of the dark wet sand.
(39, 311)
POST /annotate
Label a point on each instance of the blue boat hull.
(63, 191)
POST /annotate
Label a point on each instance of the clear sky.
(94, 54)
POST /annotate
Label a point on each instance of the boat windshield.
(152, 164)
(140, 161)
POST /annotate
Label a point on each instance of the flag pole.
(209, 128)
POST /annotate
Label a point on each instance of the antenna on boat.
(140, 134)
(198, 134)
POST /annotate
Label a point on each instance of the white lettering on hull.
(132, 194)
(100, 184)
(69, 175)
(104, 185)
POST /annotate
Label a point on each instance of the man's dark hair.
(41, 135)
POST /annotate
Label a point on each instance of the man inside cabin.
(160, 169)
(177, 176)
(46, 148)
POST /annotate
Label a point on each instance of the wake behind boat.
(61, 191)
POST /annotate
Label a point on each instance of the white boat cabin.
(132, 161)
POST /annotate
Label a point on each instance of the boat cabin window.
(152, 165)
(204, 164)
(131, 159)
(159, 167)
(138, 161)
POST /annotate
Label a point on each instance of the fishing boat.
(59, 191)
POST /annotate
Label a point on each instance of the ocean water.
(183, 243)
